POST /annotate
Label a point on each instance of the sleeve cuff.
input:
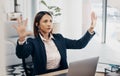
(92, 33)
(21, 43)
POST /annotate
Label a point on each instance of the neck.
(45, 35)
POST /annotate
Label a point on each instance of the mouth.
(49, 28)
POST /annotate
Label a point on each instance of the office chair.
(28, 65)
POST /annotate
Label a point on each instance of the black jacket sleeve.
(80, 43)
(23, 51)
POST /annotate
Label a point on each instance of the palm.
(21, 28)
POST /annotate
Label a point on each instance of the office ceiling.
(114, 3)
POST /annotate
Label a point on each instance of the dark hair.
(37, 19)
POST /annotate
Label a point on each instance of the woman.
(48, 50)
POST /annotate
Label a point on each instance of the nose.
(49, 24)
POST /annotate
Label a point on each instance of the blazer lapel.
(42, 48)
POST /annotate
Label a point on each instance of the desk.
(64, 71)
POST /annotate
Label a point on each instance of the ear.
(36, 24)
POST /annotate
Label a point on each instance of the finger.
(14, 26)
(21, 19)
(92, 15)
(93, 18)
(18, 21)
(26, 21)
(29, 33)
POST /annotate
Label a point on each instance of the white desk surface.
(64, 71)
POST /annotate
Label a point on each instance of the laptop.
(86, 67)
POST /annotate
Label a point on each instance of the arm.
(80, 43)
(24, 50)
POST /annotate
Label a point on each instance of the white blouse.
(53, 55)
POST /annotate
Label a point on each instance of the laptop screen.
(86, 67)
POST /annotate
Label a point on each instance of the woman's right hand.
(21, 29)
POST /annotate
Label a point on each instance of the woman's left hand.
(93, 19)
(93, 22)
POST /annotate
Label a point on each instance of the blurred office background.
(2, 41)
(72, 20)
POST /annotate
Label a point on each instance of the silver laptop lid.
(86, 67)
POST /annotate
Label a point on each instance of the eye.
(45, 21)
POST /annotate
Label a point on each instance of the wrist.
(21, 42)
(91, 29)
(21, 39)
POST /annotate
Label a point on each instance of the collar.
(43, 39)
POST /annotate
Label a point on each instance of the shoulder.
(58, 35)
(31, 38)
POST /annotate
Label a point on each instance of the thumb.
(29, 33)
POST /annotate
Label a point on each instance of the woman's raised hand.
(93, 22)
(21, 28)
(93, 19)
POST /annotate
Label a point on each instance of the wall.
(77, 15)
(86, 15)
(73, 12)
(77, 23)
(26, 7)
(71, 19)
(2, 49)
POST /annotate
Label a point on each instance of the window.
(97, 8)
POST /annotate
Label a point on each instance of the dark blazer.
(36, 48)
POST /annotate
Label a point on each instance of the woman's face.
(45, 24)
